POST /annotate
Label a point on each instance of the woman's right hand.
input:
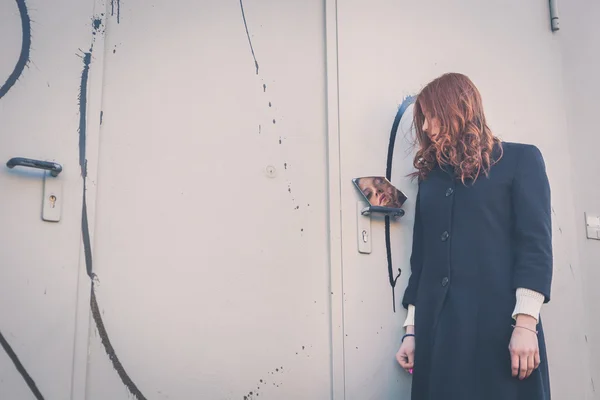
(406, 354)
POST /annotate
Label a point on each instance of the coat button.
(445, 281)
(449, 192)
(445, 236)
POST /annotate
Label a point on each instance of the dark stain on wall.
(97, 23)
(11, 354)
(87, 59)
(25, 49)
(83, 99)
(115, 6)
(248, 34)
(388, 174)
(264, 383)
(110, 351)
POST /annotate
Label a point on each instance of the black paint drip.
(112, 9)
(87, 59)
(110, 351)
(388, 174)
(87, 247)
(25, 49)
(11, 354)
(248, 34)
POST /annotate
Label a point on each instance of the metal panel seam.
(335, 214)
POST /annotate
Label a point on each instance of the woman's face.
(431, 126)
(374, 189)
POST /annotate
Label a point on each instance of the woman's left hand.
(524, 350)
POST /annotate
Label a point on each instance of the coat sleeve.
(416, 257)
(532, 224)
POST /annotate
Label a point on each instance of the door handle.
(389, 211)
(54, 168)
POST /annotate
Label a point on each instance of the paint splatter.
(25, 49)
(248, 34)
(13, 356)
(96, 314)
(87, 58)
(388, 174)
(116, 9)
(97, 22)
(110, 351)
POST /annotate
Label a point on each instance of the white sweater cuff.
(410, 316)
(529, 302)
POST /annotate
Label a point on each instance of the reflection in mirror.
(379, 192)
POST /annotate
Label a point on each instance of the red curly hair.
(465, 141)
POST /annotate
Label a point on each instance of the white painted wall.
(579, 38)
(390, 49)
(214, 273)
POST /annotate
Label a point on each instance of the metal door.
(43, 69)
(388, 50)
(211, 246)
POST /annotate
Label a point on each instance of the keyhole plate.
(52, 201)
(364, 229)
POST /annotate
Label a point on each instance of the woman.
(481, 257)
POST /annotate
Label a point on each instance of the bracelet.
(522, 327)
(407, 335)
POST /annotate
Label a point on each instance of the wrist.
(410, 329)
(526, 320)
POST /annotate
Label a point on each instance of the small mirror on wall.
(381, 195)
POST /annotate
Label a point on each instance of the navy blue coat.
(473, 246)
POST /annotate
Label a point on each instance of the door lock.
(52, 200)
(364, 228)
